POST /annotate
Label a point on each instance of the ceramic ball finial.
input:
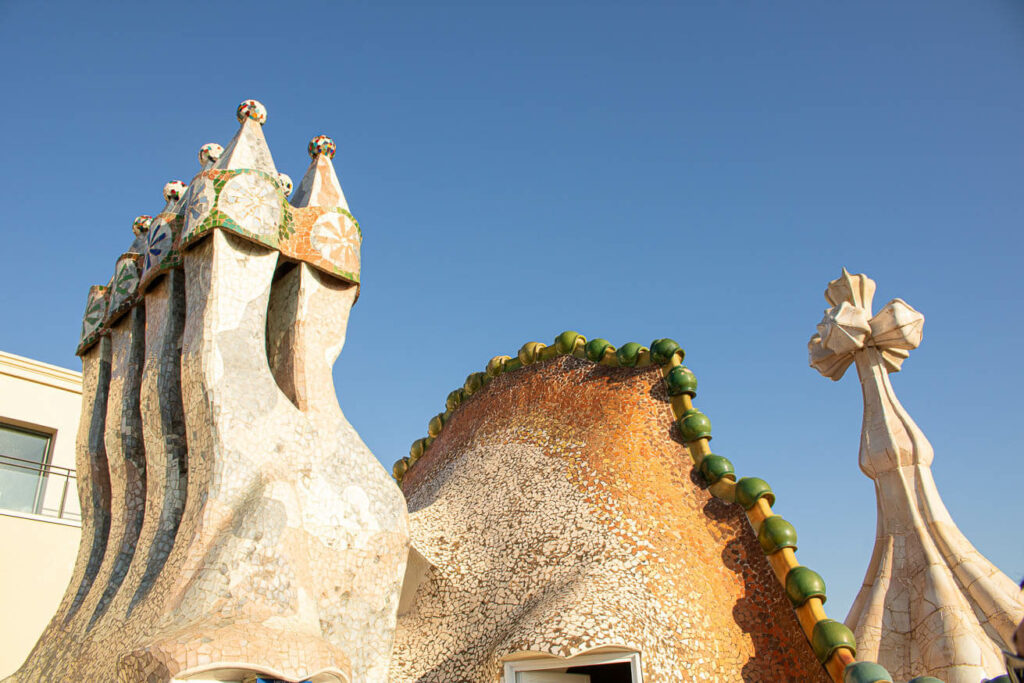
(251, 109)
(211, 151)
(141, 225)
(322, 144)
(286, 183)
(174, 190)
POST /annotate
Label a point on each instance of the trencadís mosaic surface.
(233, 522)
(561, 513)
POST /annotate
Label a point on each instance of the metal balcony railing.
(38, 488)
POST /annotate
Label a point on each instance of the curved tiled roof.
(832, 642)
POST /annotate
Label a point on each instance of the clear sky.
(692, 170)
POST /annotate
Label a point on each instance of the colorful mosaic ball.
(141, 224)
(251, 109)
(211, 151)
(286, 183)
(322, 144)
(174, 190)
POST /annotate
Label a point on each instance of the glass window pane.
(17, 443)
(19, 480)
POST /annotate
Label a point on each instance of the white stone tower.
(930, 602)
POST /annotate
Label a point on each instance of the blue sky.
(692, 170)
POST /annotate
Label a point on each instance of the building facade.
(39, 508)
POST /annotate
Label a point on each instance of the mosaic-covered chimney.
(234, 523)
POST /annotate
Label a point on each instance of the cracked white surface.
(931, 603)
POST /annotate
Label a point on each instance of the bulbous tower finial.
(174, 191)
(140, 226)
(252, 109)
(322, 144)
(286, 183)
(209, 153)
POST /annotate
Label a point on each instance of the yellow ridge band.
(673, 362)
(760, 512)
(809, 614)
(837, 663)
(724, 489)
(698, 449)
(782, 561)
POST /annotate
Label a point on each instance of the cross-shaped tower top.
(848, 327)
(930, 602)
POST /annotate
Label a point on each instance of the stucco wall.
(36, 554)
(37, 561)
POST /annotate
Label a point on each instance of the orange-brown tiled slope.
(561, 515)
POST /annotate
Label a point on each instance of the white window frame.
(44, 465)
(548, 663)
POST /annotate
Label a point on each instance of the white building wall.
(37, 552)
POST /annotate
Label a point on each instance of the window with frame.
(24, 456)
(614, 667)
